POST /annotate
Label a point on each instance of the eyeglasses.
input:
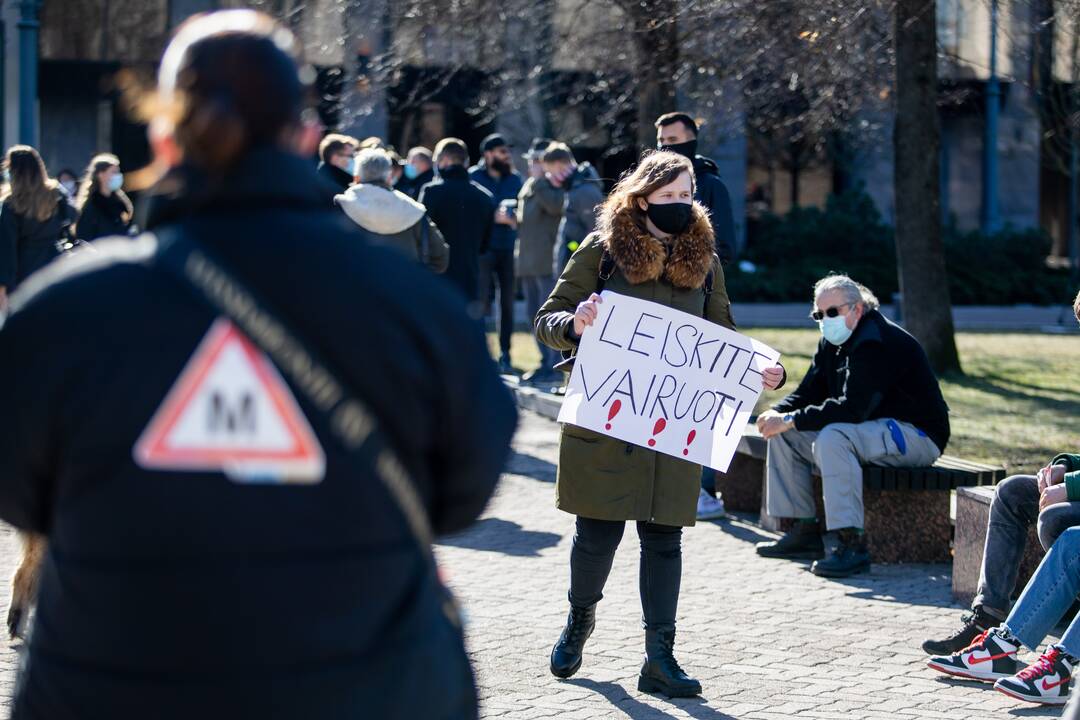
(817, 315)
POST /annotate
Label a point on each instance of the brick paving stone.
(767, 639)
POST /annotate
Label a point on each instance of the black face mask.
(671, 218)
(503, 168)
(687, 149)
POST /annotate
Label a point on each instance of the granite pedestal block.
(972, 519)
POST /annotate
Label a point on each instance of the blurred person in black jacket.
(104, 208)
(185, 579)
(35, 216)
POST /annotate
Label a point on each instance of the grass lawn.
(1018, 403)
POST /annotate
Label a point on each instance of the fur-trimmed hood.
(643, 258)
(380, 210)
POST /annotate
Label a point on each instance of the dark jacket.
(413, 187)
(600, 476)
(102, 216)
(465, 214)
(584, 192)
(539, 213)
(393, 219)
(28, 244)
(880, 372)
(506, 187)
(195, 596)
(713, 194)
(335, 176)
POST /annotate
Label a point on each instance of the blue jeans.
(1048, 596)
(537, 289)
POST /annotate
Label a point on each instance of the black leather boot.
(802, 543)
(661, 673)
(566, 655)
(849, 556)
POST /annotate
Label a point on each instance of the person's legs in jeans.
(504, 273)
(1049, 594)
(1055, 520)
(660, 574)
(537, 290)
(1012, 511)
(485, 280)
(660, 577)
(591, 555)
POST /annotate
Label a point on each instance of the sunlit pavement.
(767, 639)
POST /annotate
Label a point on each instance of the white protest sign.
(665, 379)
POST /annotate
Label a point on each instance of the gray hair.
(852, 291)
(373, 166)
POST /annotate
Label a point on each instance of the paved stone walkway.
(767, 639)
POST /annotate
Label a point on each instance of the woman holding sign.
(653, 242)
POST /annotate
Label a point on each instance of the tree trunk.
(924, 283)
(657, 42)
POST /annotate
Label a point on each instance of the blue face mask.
(835, 329)
(351, 167)
(116, 182)
(411, 172)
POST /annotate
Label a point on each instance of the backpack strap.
(605, 271)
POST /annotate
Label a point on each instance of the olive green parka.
(599, 476)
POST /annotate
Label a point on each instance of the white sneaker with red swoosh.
(1045, 681)
(989, 657)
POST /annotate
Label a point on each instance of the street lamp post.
(28, 70)
(990, 219)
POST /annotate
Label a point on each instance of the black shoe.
(850, 556)
(566, 655)
(802, 543)
(975, 622)
(661, 672)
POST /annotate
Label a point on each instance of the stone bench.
(972, 518)
(907, 509)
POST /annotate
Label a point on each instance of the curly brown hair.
(656, 169)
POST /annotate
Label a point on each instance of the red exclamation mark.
(657, 429)
(689, 439)
(612, 412)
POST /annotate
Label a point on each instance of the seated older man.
(869, 397)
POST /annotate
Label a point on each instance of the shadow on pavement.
(929, 585)
(503, 536)
(616, 694)
(530, 466)
(740, 529)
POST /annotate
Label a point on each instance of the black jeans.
(500, 264)
(659, 573)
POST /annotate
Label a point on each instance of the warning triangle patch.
(230, 411)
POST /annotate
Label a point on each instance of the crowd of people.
(412, 420)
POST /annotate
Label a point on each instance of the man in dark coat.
(337, 155)
(678, 133)
(221, 544)
(869, 397)
(495, 173)
(465, 213)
